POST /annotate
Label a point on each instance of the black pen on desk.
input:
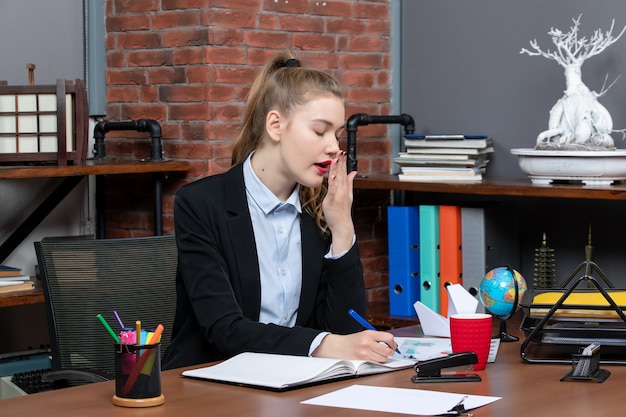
(365, 323)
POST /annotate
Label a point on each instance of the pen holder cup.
(138, 376)
(587, 368)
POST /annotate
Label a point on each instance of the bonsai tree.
(577, 121)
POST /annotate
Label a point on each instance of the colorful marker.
(118, 319)
(138, 332)
(108, 328)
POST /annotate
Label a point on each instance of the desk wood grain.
(526, 390)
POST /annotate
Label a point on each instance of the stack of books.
(11, 280)
(444, 157)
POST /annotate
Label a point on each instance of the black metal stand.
(616, 332)
(502, 334)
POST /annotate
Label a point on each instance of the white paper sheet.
(433, 323)
(398, 400)
(424, 348)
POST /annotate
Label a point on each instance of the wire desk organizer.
(573, 321)
(586, 366)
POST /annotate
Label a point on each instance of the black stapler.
(430, 370)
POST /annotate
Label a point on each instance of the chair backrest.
(134, 277)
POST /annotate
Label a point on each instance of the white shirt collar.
(262, 196)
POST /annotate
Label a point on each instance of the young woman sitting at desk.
(267, 255)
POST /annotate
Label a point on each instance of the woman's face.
(308, 142)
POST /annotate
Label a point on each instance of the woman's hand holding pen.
(368, 345)
(338, 203)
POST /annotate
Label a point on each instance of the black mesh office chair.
(83, 278)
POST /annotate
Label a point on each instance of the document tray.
(557, 322)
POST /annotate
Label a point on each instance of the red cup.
(471, 333)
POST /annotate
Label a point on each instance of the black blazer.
(218, 281)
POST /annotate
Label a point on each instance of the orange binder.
(450, 260)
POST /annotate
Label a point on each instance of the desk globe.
(500, 292)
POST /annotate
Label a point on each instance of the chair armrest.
(76, 374)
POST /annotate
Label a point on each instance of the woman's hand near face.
(338, 204)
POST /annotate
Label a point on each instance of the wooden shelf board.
(18, 298)
(92, 168)
(495, 187)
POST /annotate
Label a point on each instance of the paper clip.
(125, 348)
(459, 408)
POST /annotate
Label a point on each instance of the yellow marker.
(138, 332)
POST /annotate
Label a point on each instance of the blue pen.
(365, 324)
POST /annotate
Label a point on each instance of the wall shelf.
(494, 187)
(501, 196)
(72, 175)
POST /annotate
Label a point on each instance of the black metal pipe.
(144, 125)
(362, 119)
(101, 232)
(158, 203)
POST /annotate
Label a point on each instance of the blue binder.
(404, 259)
(429, 256)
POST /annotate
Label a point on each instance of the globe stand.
(502, 334)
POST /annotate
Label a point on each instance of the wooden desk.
(527, 390)
(72, 175)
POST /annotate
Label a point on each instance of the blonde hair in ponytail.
(283, 85)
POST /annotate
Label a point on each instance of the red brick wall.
(189, 63)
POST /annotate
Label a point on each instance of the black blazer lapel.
(246, 280)
(314, 247)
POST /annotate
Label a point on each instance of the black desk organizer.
(556, 341)
(587, 368)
